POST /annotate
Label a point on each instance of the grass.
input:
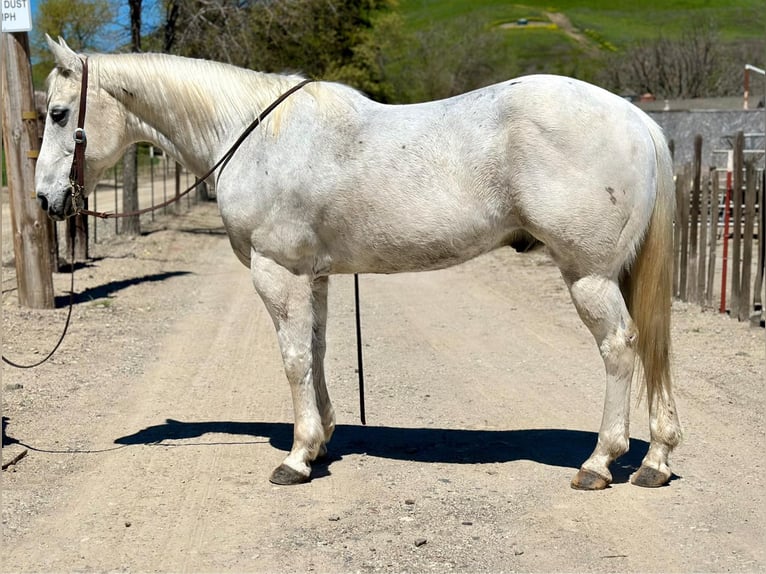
(619, 21)
(609, 27)
(612, 24)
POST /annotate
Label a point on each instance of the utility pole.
(31, 227)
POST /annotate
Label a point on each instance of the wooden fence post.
(682, 197)
(715, 201)
(694, 217)
(77, 232)
(677, 240)
(131, 225)
(703, 233)
(736, 223)
(747, 247)
(760, 268)
(31, 227)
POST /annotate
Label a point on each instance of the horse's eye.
(59, 115)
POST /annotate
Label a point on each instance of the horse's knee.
(297, 363)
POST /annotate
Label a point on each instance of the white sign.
(17, 15)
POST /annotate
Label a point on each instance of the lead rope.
(77, 182)
(8, 361)
(220, 163)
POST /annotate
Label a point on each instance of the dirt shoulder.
(151, 434)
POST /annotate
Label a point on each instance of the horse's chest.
(286, 235)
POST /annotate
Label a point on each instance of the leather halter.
(77, 171)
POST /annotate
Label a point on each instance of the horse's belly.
(401, 262)
(422, 251)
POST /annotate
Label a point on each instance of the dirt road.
(151, 434)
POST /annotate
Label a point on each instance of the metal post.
(360, 364)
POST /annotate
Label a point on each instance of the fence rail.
(719, 235)
(159, 179)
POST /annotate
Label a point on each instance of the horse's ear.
(66, 58)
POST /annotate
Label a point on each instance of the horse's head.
(105, 129)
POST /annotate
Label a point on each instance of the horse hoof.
(588, 480)
(286, 476)
(649, 477)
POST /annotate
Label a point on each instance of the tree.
(440, 62)
(210, 29)
(324, 39)
(84, 24)
(694, 65)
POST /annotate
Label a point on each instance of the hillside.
(582, 38)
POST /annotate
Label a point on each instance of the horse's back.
(566, 161)
(375, 188)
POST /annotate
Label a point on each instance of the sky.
(150, 13)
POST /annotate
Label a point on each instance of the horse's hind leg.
(289, 299)
(601, 306)
(665, 432)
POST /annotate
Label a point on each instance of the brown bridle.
(77, 172)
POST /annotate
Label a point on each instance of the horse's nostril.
(42, 201)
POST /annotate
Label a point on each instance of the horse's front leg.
(289, 299)
(319, 346)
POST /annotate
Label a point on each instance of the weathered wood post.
(32, 229)
(736, 222)
(715, 201)
(694, 213)
(703, 239)
(761, 267)
(682, 197)
(743, 313)
(77, 232)
(131, 225)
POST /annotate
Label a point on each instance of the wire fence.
(159, 179)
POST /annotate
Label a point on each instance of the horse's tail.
(648, 285)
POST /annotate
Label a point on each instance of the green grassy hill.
(578, 38)
(618, 21)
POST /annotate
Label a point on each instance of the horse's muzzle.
(42, 201)
(58, 211)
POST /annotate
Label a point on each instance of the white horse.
(333, 182)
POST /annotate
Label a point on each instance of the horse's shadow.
(553, 447)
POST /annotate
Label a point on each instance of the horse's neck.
(190, 108)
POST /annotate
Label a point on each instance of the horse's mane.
(202, 89)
